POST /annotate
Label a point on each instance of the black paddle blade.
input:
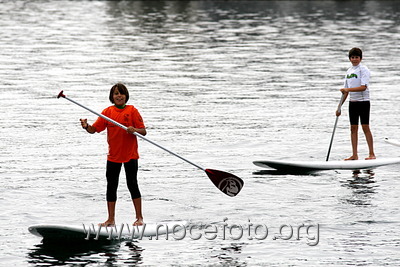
(229, 184)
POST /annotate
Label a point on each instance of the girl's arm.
(141, 131)
(89, 128)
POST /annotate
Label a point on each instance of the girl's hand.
(338, 113)
(84, 123)
(131, 130)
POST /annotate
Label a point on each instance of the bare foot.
(138, 222)
(352, 158)
(107, 223)
(370, 157)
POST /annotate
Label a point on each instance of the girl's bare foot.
(138, 222)
(107, 223)
(352, 158)
(370, 157)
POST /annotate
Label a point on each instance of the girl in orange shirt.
(123, 149)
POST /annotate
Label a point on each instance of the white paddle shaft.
(135, 133)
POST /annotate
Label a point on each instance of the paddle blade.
(229, 184)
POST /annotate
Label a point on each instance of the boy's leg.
(354, 142)
(370, 141)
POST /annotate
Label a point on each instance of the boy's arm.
(339, 110)
(354, 89)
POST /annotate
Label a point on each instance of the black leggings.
(112, 174)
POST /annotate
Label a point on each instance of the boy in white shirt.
(356, 84)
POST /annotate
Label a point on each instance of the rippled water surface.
(220, 83)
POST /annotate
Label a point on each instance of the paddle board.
(95, 232)
(392, 142)
(313, 166)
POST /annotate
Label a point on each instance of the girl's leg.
(137, 203)
(112, 174)
(111, 214)
(131, 169)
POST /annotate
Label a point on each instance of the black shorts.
(359, 111)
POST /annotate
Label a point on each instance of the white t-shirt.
(355, 77)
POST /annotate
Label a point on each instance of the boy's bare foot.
(370, 157)
(352, 158)
(107, 223)
(138, 222)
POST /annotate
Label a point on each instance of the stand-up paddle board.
(313, 166)
(95, 232)
(395, 143)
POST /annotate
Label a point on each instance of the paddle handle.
(125, 128)
(334, 127)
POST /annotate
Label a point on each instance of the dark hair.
(121, 88)
(355, 52)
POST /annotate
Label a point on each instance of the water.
(220, 83)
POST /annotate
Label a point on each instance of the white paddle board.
(395, 143)
(95, 232)
(312, 166)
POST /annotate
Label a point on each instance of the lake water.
(222, 84)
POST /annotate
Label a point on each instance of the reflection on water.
(229, 255)
(55, 254)
(363, 186)
(287, 172)
(368, 173)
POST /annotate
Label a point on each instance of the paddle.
(334, 127)
(229, 184)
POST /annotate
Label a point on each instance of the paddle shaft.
(125, 128)
(334, 127)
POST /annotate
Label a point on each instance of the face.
(355, 60)
(119, 99)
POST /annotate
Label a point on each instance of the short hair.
(121, 88)
(355, 52)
